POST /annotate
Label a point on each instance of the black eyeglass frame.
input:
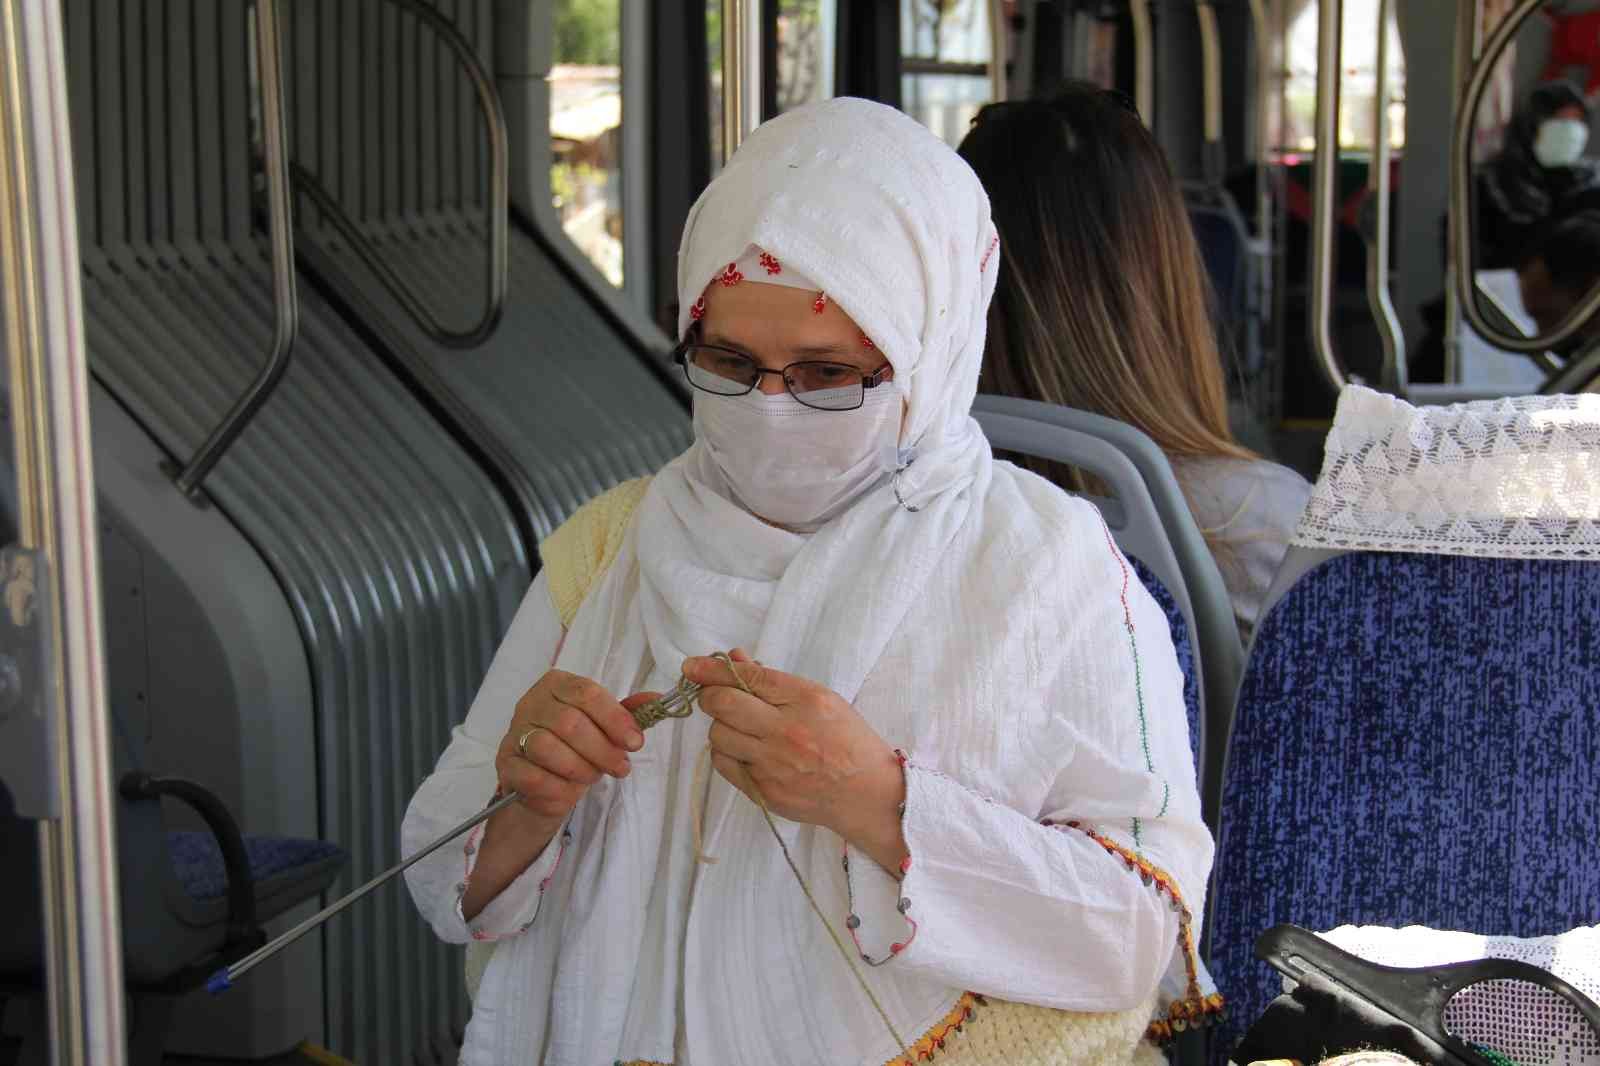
(872, 380)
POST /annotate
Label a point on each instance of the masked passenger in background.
(1540, 175)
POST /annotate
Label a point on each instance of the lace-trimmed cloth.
(1513, 478)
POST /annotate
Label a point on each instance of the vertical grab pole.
(741, 72)
(56, 517)
(998, 53)
(1469, 26)
(1144, 68)
(1263, 34)
(1324, 190)
(1378, 296)
(1213, 156)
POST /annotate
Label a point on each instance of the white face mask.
(1560, 142)
(795, 466)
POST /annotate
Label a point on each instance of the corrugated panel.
(571, 404)
(392, 546)
(398, 554)
(558, 401)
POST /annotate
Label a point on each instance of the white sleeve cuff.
(879, 919)
(517, 905)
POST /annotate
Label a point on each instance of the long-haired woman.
(1102, 305)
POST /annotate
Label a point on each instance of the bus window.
(586, 130)
(945, 53)
(1357, 86)
(805, 51)
(806, 31)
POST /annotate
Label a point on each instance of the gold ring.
(522, 741)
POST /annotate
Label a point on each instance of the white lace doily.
(1531, 1026)
(1512, 478)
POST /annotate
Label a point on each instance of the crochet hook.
(678, 703)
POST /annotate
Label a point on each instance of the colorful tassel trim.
(925, 1047)
(1195, 1009)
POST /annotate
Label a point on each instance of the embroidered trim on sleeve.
(1138, 682)
(1194, 1008)
(852, 921)
(469, 850)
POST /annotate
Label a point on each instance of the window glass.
(805, 51)
(806, 33)
(1357, 85)
(945, 53)
(586, 129)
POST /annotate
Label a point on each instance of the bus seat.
(1209, 611)
(1131, 517)
(1416, 738)
(1232, 261)
(1415, 743)
(191, 899)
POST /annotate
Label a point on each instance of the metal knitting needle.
(224, 978)
(679, 703)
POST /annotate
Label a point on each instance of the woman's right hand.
(566, 733)
(572, 732)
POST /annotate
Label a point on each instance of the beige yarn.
(1003, 1033)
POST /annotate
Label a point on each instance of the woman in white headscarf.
(1024, 871)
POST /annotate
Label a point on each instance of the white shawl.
(896, 229)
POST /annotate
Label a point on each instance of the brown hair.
(1102, 303)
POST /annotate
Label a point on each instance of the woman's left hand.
(809, 754)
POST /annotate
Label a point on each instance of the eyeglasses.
(818, 385)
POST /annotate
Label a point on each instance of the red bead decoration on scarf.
(983, 264)
(730, 276)
(697, 310)
(820, 304)
(771, 263)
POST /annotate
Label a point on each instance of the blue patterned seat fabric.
(1184, 647)
(197, 860)
(1417, 742)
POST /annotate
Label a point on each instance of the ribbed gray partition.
(400, 558)
(559, 402)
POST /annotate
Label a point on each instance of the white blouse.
(995, 902)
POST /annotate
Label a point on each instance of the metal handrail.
(41, 296)
(1213, 159)
(499, 201)
(1324, 190)
(1463, 251)
(1468, 34)
(285, 300)
(1579, 375)
(997, 51)
(1378, 297)
(741, 72)
(1144, 71)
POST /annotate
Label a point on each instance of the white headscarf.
(895, 227)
